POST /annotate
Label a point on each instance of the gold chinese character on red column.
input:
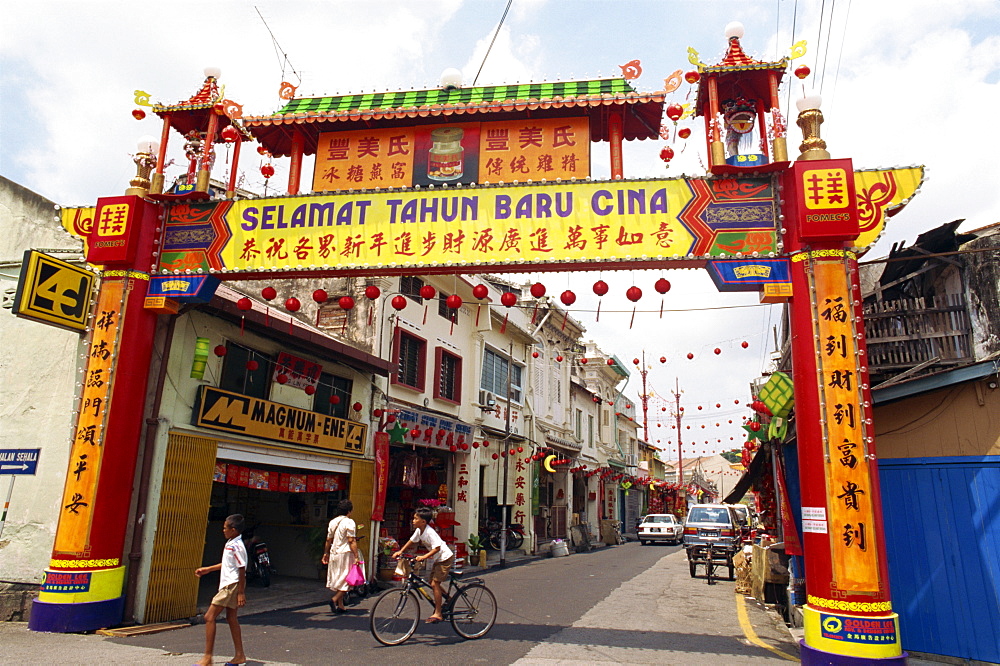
(825, 188)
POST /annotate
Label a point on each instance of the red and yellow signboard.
(463, 153)
(114, 234)
(849, 493)
(825, 200)
(77, 507)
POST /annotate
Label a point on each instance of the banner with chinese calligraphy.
(381, 475)
(73, 533)
(555, 222)
(299, 372)
(849, 498)
(463, 153)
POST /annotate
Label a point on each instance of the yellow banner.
(76, 510)
(244, 415)
(880, 194)
(848, 477)
(561, 222)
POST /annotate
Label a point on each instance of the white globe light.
(451, 78)
(148, 144)
(213, 72)
(808, 102)
(734, 29)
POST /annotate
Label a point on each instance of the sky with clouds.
(903, 81)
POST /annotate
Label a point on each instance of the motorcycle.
(258, 560)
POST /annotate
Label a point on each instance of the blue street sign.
(18, 461)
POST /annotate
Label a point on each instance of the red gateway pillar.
(848, 616)
(83, 588)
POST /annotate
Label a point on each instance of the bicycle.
(470, 607)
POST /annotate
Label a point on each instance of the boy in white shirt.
(438, 553)
(232, 589)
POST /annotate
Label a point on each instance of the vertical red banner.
(381, 474)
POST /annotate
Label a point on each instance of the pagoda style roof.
(739, 75)
(597, 99)
(193, 114)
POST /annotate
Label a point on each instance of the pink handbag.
(356, 576)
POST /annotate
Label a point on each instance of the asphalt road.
(625, 604)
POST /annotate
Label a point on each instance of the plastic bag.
(403, 568)
(356, 576)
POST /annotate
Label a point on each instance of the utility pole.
(644, 398)
(506, 461)
(677, 414)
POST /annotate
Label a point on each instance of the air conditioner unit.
(631, 460)
(486, 398)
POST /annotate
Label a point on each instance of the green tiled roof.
(417, 98)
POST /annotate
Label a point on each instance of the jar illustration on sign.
(444, 159)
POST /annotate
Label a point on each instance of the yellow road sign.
(53, 292)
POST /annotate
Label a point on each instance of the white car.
(660, 527)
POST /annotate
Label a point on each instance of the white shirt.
(431, 540)
(234, 558)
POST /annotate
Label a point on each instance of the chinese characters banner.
(299, 372)
(453, 154)
(73, 534)
(381, 475)
(531, 224)
(848, 478)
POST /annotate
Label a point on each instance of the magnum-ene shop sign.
(243, 415)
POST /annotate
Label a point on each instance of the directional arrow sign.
(18, 461)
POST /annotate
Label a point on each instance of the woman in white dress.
(341, 553)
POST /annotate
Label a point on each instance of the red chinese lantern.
(346, 302)
(266, 170)
(635, 361)
(600, 287)
(802, 71)
(633, 294)
(583, 361)
(744, 344)
(475, 445)
(511, 452)
(508, 299)
(415, 433)
(663, 359)
(534, 354)
(244, 304)
(690, 356)
(261, 150)
(230, 134)
(390, 418)
(398, 302)
(717, 351)
(667, 154)
(486, 443)
(357, 406)
(567, 297)
(282, 378)
(320, 296)
(268, 293)
(559, 359)
(427, 291)
(537, 290)
(692, 77)
(454, 301)
(138, 114)
(684, 132)
(252, 365)
(292, 304)
(377, 413)
(661, 286)
(335, 400)
(495, 456)
(611, 361)
(675, 111)
(220, 350)
(453, 448)
(309, 389)
(372, 292)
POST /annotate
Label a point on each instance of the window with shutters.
(494, 376)
(411, 357)
(246, 371)
(410, 287)
(448, 382)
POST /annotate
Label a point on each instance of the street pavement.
(627, 604)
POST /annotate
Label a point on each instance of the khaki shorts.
(226, 596)
(441, 568)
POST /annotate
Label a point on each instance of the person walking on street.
(439, 555)
(232, 590)
(340, 554)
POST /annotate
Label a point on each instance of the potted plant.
(386, 567)
(477, 550)
(315, 539)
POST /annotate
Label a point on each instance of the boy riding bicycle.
(439, 556)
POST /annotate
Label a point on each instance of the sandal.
(434, 620)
